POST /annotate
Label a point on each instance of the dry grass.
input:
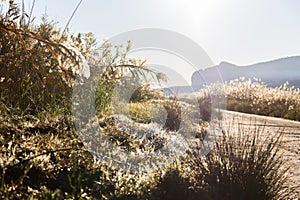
(253, 96)
(243, 165)
(42, 155)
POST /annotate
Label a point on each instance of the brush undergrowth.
(34, 164)
(242, 165)
(255, 97)
(39, 79)
(250, 96)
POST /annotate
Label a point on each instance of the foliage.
(117, 74)
(153, 111)
(205, 107)
(243, 165)
(48, 62)
(255, 97)
(145, 93)
(173, 186)
(43, 157)
(40, 78)
(173, 109)
(46, 160)
(141, 112)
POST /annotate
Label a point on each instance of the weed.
(255, 97)
(243, 165)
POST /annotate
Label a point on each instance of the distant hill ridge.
(274, 73)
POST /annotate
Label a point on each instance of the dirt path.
(270, 125)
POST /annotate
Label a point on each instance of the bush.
(118, 75)
(241, 166)
(145, 93)
(205, 107)
(172, 186)
(293, 114)
(140, 112)
(256, 97)
(173, 109)
(40, 77)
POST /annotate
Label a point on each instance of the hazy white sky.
(238, 31)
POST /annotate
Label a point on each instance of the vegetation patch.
(255, 97)
(42, 155)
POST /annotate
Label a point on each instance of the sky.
(241, 32)
(237, 31)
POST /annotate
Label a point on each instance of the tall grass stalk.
(245, 164)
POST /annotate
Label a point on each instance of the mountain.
(273, 73)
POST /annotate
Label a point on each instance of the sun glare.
(199, 12)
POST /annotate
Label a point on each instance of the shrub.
(51, 163)
(42, 77)
(117, 75)
(140, 112)
(39, 79)
(241, 166)
(255, 97)
(173, 109)
(172, 186)
(293, 114)
(205, 107)
(145, 93)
